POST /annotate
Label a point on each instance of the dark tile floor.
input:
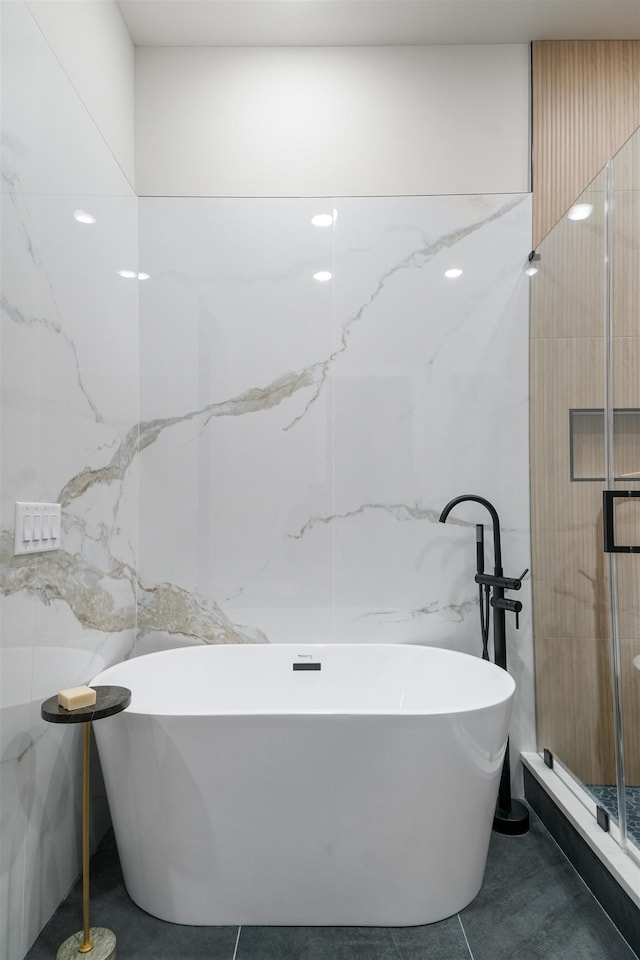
(533, 906)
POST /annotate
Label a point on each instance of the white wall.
(94, 48)
(339, 121)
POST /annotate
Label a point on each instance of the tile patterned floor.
(533, 906)
(607, 797)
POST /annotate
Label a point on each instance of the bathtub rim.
(165, 712)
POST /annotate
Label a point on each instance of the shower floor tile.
(607, 797)
(532, 906)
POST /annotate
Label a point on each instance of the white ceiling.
(374, 22)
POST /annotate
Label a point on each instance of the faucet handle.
(516, 583)
(504, 603)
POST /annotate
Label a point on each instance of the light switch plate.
(37, 528)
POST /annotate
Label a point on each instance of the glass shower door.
(585, 467)
(621, 501)
(572, 626)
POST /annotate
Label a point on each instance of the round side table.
(96, 941)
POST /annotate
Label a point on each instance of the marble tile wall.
(280, 472)
(299, 438)
(69, 372)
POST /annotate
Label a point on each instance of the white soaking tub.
(338, 784)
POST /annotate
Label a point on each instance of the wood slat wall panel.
(569, 585)
(570, 569)
(586, 104)
(568, 295)
(573, 681)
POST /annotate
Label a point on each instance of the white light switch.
(37, 527)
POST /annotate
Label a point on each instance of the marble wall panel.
(302, 436)
(69, 372)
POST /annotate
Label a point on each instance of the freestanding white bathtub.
(338, 784)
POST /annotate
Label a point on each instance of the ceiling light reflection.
(133, 275)
(83, 217)
(580, 211)
(323, 219)
(453, 273)
(322, 276)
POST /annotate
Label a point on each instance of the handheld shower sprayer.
(484, 591)
(479, 547)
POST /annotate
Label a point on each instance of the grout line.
(235, 949)
(44, 39)
(464, 934)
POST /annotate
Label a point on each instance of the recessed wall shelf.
(587, 444)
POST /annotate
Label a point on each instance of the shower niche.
(587, 449)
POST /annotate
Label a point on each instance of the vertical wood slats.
(586, 104)
(570, 595)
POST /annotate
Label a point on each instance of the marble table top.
(109, 701)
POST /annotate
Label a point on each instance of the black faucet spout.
(497, 550)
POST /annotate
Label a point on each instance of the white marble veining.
(324, 426)
(69, 372)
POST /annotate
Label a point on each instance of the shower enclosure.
(585, 486)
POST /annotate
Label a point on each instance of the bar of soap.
(75, 697)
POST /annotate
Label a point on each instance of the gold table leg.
(96, 941)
